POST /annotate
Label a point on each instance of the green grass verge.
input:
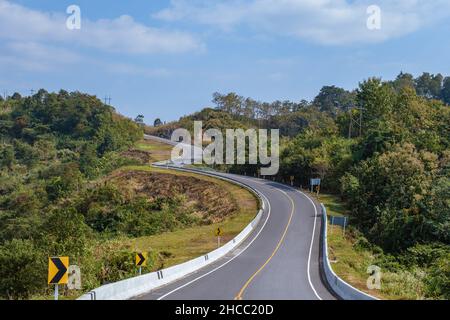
(158, 151)
(350, 261)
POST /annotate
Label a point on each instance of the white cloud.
(33, 56)
(323, 21)
(133, 70)
(123, 34)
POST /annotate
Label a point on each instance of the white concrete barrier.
(132, 287)
(339, 286)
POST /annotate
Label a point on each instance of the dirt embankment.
(210, 201)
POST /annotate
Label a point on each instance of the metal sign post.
(141, 260)
(218, 233)
(315, 182)
(56, 292)
(345, 222)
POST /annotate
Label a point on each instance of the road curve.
(279, 260)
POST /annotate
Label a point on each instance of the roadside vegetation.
(384, 148)
(404, 276)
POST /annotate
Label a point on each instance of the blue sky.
(166, 58)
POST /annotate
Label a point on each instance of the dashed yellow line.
(241, 292)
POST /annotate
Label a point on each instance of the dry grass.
(209, 201)
(185, 244)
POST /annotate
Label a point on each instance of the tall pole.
(350, 125)
(345, 222)
(360, 121)
(108, 100)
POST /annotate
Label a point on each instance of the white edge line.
(312, 242)
(219, 267)
(312, 237)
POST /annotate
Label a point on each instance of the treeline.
(52, 145)
(331, 99)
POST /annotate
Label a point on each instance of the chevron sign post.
(141, 260)
(218, 232)
(57, 272)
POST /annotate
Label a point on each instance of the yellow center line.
(241, 292)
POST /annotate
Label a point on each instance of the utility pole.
(108, 100)
(360, 121)
(350, 127)
(357, 122)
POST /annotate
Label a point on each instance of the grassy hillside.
(75, 181)
(184, 244)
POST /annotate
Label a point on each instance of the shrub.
(22, 269)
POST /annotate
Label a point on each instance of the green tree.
(64, 233)
(429, 85)
(139, 120)
(16, 96)
(376, 98)
(445, 94)
(388, 196)
(22, 269)
(6, 156)
(404, 80)
(157, 122)
(332, 99)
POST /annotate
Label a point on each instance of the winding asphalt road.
(279, 260)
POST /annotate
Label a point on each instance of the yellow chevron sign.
(218, 232)
(141, 259)
(57, 270)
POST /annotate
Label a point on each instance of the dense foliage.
(51, 146)
(385, 147)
